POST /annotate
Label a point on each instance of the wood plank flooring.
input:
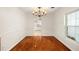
(40, 43)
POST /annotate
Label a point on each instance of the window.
(72, 25)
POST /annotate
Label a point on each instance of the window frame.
(66, 26)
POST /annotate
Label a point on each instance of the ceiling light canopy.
(39, 11)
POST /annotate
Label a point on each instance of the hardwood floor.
(40, 43)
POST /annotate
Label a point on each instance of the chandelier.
(39, 11)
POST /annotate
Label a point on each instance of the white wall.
(47, 22)
(15, 24)
(47, 25)
(59, 27)
(12, 24)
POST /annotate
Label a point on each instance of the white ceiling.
(29, 9)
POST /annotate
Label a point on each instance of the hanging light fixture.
(39, 11)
